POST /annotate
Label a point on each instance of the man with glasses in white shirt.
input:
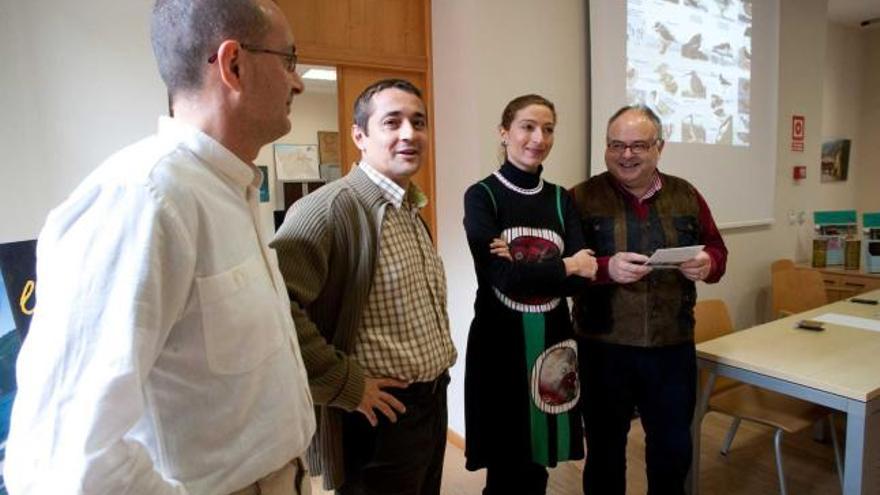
(162, 357)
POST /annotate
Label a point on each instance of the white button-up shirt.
(162, 356)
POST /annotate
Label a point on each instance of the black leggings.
(522, 479)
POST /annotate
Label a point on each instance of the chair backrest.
(712, 321)
(781, 264)
(794, 291)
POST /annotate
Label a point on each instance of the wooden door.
(371, 33)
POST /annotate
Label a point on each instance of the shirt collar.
(210, 152)
(654, 188)
(392, 192)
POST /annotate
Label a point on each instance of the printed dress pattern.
(521, 378)
(553, 375)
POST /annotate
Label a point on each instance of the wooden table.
(838, 368)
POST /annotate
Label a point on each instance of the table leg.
(861, 471)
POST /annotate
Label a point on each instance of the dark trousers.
(402, 458)
(525, 478)
(661, 383)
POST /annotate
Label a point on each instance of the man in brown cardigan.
(368, 296)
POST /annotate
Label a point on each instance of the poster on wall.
(328, 147)
(17, 299)
(296, 162)
(328, 155)
(264, 183)
(835, 160)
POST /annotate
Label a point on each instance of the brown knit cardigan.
(327, 251)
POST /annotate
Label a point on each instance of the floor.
(749, 469)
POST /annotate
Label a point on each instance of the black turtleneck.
(521, 178)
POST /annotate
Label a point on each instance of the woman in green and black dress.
(521, 384)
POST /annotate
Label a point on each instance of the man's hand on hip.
(377, 398)
(626, 268)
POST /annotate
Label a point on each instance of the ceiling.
(316, 86)
(853, 12)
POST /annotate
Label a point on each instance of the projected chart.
(690, 60)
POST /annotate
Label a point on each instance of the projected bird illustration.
(697, 88)
(691, 49)
(745, 58)
(723, 5)
(718, 106)
(666, 37)
(697, 4)
(667, 79)
(692, 131)
(725, 132)
(690, 61)
(723, 50)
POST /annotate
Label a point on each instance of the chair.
(746, 402)
(797, 290)
(781, 264)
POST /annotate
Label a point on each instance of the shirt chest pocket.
(240, 314)
(687, 230)
(599, 233)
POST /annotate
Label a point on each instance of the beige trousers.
(291, 479)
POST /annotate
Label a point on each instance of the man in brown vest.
(636, 323)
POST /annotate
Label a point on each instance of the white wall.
(486, 52)
(78, 82)
(842, 107)
(869, 138)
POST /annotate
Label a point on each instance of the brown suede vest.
(657, 310)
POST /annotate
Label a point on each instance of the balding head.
(186, 33)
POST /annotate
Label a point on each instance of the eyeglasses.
(289, 57)
(637, 147)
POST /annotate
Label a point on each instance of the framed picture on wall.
(835, 160)
(17, 301)
(296, 162)
(328, 147)
(264, 184)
